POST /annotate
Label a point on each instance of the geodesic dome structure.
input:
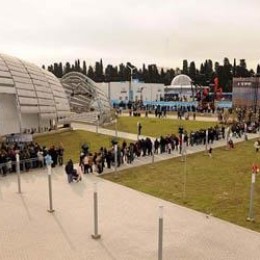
(181, 80)
(84, 96)
(30, 97)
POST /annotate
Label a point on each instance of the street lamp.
(130, 85)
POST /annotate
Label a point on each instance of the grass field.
(156, 127)
(73, 140)
(219, 186)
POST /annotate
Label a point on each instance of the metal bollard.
(115, 158)
(207, 140)
(251, 213)
(152, 153)
(160, 234)
(95, 196)
(18, 172)
(50, 189)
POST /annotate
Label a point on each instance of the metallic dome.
(181, 80)
(37, 90)
(29, 96)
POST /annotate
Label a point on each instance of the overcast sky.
(151, 31)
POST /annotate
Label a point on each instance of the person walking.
(139, 128)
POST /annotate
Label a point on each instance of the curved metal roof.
(85, 96)
(38, 91)
(181, 80)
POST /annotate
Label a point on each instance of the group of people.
(31, 156)
(116, 154)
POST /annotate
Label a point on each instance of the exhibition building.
(34, 100)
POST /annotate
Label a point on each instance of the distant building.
(246, 93)
(181, 89)
(120, 91)
(34, 100)
(30, 97)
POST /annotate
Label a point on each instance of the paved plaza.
(128, 222)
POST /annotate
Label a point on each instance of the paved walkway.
(199, 116)
(128, 223)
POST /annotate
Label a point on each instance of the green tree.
(185, 69)
(242, 69)
(91, 73)
(67, 68)
(192, 70)
(258, 69)
(84, 69)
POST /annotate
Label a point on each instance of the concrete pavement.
(128, 222)
(199, 116)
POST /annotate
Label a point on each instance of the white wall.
(30, 121)
(9, 117)
(150, 92)
(9, 120)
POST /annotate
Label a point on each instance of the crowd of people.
(31, 156)
(117, 155)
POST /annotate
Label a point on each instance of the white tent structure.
(34, 100)
(87, 102)
(30, 98)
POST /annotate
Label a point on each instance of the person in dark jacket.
(69, 169)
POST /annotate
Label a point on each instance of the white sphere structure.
(181, 80)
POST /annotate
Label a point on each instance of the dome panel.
(181, 80)
(31, 88)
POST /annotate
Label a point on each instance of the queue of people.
(117, 155)
(31, 156)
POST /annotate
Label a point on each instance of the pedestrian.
(210, 152)
(139, 128)
(257, 145)
(69, 169)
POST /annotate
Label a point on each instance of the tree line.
(203, 75)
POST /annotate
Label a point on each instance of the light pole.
(130, 85)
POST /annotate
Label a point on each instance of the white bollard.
(160, 234)
(95, 197)
(18, 172)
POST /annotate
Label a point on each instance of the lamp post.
(130, 85)
(256, 94)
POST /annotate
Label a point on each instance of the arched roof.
(181, 80)
(38, 91)
(84, 95)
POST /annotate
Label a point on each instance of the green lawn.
(218, 185)
(156, 127)
(73, 140)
